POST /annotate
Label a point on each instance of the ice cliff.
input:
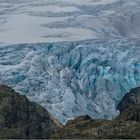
(73, 78)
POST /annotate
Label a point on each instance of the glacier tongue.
(73, 78)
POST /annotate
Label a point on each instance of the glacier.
(33, 21)
(73, 78)
(74, 57)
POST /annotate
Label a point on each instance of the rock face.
(130, 99)
(132, 113)
(95, 129)
(130, 105)
(99, 129)
(20, 118)
(126, 125)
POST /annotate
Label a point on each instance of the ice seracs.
(73, 78)
(67, 76)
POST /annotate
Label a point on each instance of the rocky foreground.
(20, 118)
(71, 79)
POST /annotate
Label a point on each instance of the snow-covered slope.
(73, 78)
(28, 21)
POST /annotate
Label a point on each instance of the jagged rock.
(98, 129)
(130, 99)
(130, 114)
(130, 106)
(20, 118)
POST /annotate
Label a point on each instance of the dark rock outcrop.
(130, 106)
(130, 114)
(99, 129)
(130, 99)
(20, 118)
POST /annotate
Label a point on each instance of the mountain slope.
(87, 128)
(130, 105)
(130, 99)
(20, 118)
(71, 79)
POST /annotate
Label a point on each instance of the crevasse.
(73, 78)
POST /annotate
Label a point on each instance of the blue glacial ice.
(73, 78)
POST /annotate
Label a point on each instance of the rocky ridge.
(20, 118)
